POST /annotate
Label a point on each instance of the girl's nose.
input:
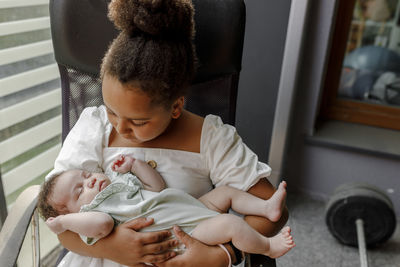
(123, 126)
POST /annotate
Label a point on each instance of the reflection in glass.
(371, 67)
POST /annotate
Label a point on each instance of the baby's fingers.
(117, 162)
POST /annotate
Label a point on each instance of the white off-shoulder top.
(223, 159)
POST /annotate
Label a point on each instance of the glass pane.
(371, 66)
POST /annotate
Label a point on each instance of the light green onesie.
(125, 199)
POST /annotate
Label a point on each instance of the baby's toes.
(286, 235)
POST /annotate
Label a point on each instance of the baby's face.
(76, 188)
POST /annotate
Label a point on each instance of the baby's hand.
(122, 164)
(55, 224)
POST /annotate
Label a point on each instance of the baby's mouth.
(102, 185)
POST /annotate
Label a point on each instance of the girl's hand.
(195, 253)
(128, 247)
(122, 164)
(55, 225)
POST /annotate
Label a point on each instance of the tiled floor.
(316, 247)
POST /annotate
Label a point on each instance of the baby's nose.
(91, 182)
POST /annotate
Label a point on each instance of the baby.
(91, 204)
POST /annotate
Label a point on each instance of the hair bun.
(172, 18)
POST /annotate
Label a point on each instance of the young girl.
(145, 75)
(90, 203)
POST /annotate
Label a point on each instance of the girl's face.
(76, 188)
(132, 114)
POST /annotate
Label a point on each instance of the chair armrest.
(17, 222)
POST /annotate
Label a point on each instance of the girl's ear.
(177, 107)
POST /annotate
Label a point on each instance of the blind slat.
(18, 53)
(26, 25)
(22, 3)
(36, 105)
(23, 174)
(30, 138)
(28, 79)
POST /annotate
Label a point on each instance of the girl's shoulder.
(215, 130)
(92, 116)
(194, 133)
(96, 113)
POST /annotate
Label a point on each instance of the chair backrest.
(81, 34)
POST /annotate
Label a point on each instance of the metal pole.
(35, 239)
(361, 243)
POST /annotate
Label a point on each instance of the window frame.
(348, 110)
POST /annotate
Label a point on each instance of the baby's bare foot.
(281, 243)
(276, 203)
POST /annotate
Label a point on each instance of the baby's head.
(70, 190)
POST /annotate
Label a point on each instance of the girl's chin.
(137, 141)
(131, 139)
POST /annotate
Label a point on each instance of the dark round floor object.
(360, 201)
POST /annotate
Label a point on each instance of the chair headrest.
(81, 34)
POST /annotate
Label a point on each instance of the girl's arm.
(264, 189)
(150, 178)
(125, 245)
(90, 224)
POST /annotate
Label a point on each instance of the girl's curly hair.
(154, 48)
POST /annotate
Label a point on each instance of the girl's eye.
(140, 123)
(109, 112)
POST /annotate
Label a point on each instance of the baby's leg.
(224, 197)
(227, 227)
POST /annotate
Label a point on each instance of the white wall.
(266, 23)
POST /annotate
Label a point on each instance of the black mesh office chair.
(81, 34)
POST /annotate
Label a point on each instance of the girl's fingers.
(154, 237)
(138, 224)
(182, 236)
(148, 237)
(162, 247)
(156, 258)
